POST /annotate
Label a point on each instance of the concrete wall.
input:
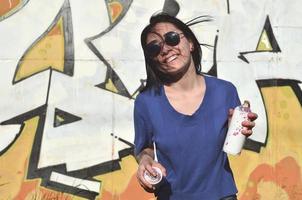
(70, 71)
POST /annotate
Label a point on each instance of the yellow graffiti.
(110, 86)
(264, 43)
(118, 181)
(47, 52)
(284, 140)
(14, 184)
(59, 118)
(14, 168)
(13, 163)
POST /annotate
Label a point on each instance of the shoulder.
(219, 84)
(146, 97)
(222, 92)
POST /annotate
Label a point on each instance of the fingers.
(231, 112)
(162, 168)
(150, 170)
(148, 167)
(247, 132)
(248, 124)
(140, 177)
(247, 128)
(252, 116)
(147, 188)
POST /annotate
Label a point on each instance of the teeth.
(171, 58)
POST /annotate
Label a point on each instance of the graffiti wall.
(70, 71)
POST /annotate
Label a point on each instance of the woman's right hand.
(146, 163)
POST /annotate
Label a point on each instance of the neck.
(188, 81)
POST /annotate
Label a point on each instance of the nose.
(165, 49)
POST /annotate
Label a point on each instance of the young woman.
(185, 113)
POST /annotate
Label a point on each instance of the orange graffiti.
(31, 189)
(133, 191)
(26, 188)
(286, 175)
(115, 9)
(7, 6)
(56, 30)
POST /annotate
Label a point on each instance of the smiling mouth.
(171, 58)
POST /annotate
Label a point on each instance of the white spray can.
(234, 140)
(154, 180)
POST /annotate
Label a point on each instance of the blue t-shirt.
(189, 146)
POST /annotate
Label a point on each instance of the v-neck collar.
(201, 105)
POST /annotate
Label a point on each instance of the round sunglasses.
(153, 48)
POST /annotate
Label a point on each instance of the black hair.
(154, 76)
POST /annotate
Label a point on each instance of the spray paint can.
(153, 180)
(235, 139)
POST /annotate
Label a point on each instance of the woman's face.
(172, 59)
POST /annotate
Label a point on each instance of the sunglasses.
(154, 48)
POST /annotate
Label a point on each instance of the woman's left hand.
(248, 125)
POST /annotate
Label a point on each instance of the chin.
(174, 73)
(170, 71)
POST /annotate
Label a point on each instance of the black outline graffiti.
(199, 19)
(122, 140)
(116, 81)
(110, 74)
(171, 7)
(44, 173)
(33, 170)
(126, 4)
(213, 70)
(270, 34)
(294, 84)
(202, 19)
(143, 83)
(65, 13)
(68, 118)
(228, 6)
(13, 141)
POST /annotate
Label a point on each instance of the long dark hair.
(154, 76)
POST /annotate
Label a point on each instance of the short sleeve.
(234, 100)
(143, 134)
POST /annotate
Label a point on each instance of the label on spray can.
(235, 139)
(153, 180)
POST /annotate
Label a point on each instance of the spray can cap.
(246, 104)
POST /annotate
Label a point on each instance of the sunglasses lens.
(172, 38)
(153, 49)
